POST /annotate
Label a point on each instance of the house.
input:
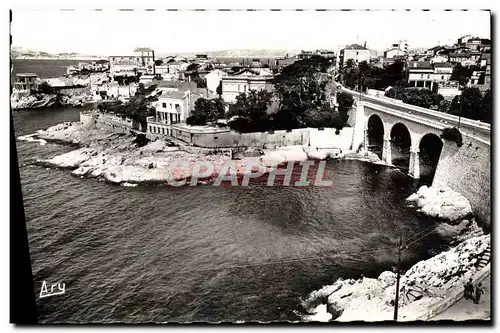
(245, 80)
(355, 52)
(438, 59)
(461, 58)
(177, 66)
(442, 72)
(162, 69)
(214, 78)
(426, 75)
(172, 107)
(304, 55)
(464, 39)
(146, 79)
(393, 52)
(129, 65)
(420, 74)
(476, 78)
(282, 62)
(485, 59)
(26, 82)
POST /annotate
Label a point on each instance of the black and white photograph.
(253, 166)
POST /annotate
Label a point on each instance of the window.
(357, 53)
(442, 77)
(164, 105)
(97, 93)
(177, 106)
(170, 105)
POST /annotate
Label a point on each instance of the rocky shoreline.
(423, 285)
(75, 99)
(117, 158)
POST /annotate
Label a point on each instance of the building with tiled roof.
(355, 52)
(423, 74)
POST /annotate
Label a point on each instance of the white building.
(355, 52)
(177, 66)
(214, 78)
(438, 59)
(423, 74)
(247, 79)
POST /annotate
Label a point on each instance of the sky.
(112, 32)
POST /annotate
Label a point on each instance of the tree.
(486, 114)
(140, 106)
(206, 110)
(200, 83)
(45, 88)
(461, 74)
(324, 117)
(219, 89)
(158, 62)
(444, 106)
(345, 102)
(415, 96)
(300, 87)
(192, 67)
(250, 110)
(469, 104)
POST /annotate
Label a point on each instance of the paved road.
(467, 310)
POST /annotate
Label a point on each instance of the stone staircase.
(484, 258)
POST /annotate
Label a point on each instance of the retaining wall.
(467, 170)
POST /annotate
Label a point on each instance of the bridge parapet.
(425, 116)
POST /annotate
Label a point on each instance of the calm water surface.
(205, 253)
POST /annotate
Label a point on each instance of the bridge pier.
(386, 150)
(414, 170)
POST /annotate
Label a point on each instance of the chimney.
(365, 44)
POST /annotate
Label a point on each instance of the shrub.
(141, 140)
(452, 134)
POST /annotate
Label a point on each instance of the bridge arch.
(401, 143)
(375, 134)
(429, 152)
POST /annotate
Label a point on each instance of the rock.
(442, 203)
(242, 153)
(334, 309)
(387, 278)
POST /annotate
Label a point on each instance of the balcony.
(156, 120)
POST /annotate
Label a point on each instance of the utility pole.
(396, 301)
(459, 113)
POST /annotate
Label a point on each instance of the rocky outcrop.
(425, 283)
(120, 158)
(52, 100)
(442, 203)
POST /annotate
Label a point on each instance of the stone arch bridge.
(415, 127)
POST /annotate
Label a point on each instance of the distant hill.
(21, 53)
(238, 53)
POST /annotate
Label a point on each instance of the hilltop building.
(355, 52)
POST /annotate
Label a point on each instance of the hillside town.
(441, 74)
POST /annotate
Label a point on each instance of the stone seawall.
(117, 123)
(467, 170)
